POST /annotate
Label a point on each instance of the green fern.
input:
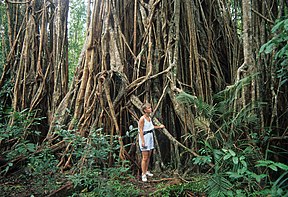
(218, 186)
(202, 108)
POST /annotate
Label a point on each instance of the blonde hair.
(145, 106)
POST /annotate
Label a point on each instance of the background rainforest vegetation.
(74, 75)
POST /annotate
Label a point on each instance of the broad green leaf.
(234, 175)
(31, 147)
(283, 82)
(243, 170)
(286, 25)
(240, 193)
(277, 26)
(242, 158)
(269, 48)
(235, 160)
(273, 167)
(264, 163)
(229, 193)
(281, 166)
(281, 52)
(285, 62)
(232, 152)
(262, 48)
(258, 177)
(227, 156)
(243, 163)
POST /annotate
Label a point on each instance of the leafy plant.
(205, 155)
(219, 185)
(276, 188)
(196, 186)
(93, 177)
(272, 165)
(234, 169)
(103, 182)
(4, 35)
(42, 163)
(279, 44)
(15, 135)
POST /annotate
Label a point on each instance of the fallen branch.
(62, 191)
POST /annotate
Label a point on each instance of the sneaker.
(149, 173)
(144, 178)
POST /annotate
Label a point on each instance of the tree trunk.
(36, 45)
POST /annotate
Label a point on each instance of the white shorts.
(149, 142)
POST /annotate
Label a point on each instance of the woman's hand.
(159, 126)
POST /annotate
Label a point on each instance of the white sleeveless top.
(148, 138)
(148, 125)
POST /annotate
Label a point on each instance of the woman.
(146, 141)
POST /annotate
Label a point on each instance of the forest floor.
(19, 184)
(165, 184)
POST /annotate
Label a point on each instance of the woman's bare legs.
(148, 161)
(145, 161)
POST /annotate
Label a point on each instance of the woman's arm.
(159, 126)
